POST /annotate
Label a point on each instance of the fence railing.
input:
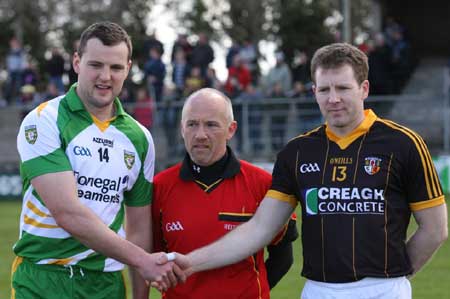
(266, 125)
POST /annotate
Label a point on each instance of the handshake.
(165, 270)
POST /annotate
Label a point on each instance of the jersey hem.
(417, 206)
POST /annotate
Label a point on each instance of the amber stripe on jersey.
(431, 179)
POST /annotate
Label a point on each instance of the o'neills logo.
(319, 201)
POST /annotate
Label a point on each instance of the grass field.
(430, 283)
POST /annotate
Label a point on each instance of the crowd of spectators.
(190, 69)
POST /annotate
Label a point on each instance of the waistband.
(71, 270)
(365, 282)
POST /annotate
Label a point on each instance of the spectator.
(30, 74)
(56, 68)
(301, 68)
(238, 77)
(278, 84)
(279, 77)
(143, 109)
(15, 64)
(202, 54)
(182, 43)
(249, 56)
(212, 80)
(380, 66)
(194, 81)
(401, 60)
(250, 95)
(73, 77)
(180, 71)
(153, 43)
(232, 51)
(155, 71)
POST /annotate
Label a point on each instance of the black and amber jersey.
(357, 194)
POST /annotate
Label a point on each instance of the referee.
(358, 179)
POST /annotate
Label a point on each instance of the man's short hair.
(339, 54)
(109, 33)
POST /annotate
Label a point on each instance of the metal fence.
(266, 125)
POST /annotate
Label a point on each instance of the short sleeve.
(423, 187)
(39, 143)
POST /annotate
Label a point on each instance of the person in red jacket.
(208, 194)
(239, 77)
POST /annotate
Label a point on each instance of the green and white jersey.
(113, 164)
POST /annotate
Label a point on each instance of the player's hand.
(181, 260)
(162, 274)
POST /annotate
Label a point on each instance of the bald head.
(207, 125)
(209, 95)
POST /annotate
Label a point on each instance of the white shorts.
(366, 288)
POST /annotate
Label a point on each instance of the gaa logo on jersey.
(372, 165)
(129, 158)
(31, 134)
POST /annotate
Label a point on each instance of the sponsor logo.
(174, 226)
(103, 141)
(372, 165)
(129, 158)
(101, 188)
(31, 134)
(341, 161)
(350, 200)
(82, 151)
(309, 167)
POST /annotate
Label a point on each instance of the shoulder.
(46, 113)
(403, 136)
(139, 135)
(250, 170)
(167, 176)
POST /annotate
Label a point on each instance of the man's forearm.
(432, 231)
(244, 240)
(85, 226)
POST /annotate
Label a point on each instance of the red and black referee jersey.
(188, 214)
(357, 194)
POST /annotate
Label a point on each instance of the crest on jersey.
(372, 165)
(129, 158)
(31, 134)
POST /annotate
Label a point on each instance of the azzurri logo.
(82, 151)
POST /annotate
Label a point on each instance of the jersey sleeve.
(282, 179)
(423, 187)
(39, 143)
(141, 193)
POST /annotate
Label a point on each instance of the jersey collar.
(343, 142)
(232, 167)
(75, 103)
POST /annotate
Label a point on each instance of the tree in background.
(42, 24)
(300, 25)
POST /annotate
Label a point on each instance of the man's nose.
(105, 73)
(334, 96)
(200, 133)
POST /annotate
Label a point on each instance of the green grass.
(430, 283)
